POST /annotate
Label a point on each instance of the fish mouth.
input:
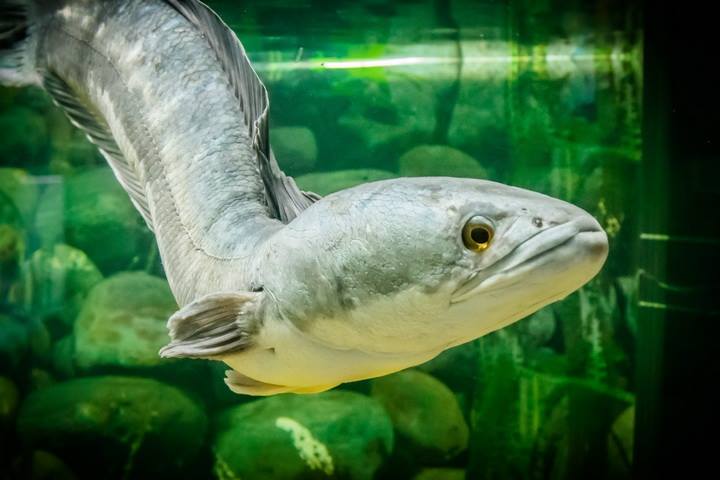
(581, 242)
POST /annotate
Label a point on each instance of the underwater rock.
(440, 474)
(49, 225)
(40, 379)
(39, 340)
(63, 356)
(12, 246)
(25, 137)
(101, 221)
(35, 99)
(18, 188)
(409, 103)
(8, 402)
(315, 100)
(14, 343)
(480, 122)
(324, 183)
(46, 466)
(17, 201)
(9, 214)
(620, 445)
(424, 413)
(60, 279)
(122, 322)
(391, 117)
(121, 426)
(456, 368)
(537, 329)
(295, 149)
(71, 150)
(335, 434)
(73, 153)
(439, 160)
(21, 339)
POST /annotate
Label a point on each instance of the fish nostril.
(537, 221)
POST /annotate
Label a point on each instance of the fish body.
(156, 86)
(295, 292)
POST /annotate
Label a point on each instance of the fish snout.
(589, 243)
(593, 240)
(584, 234)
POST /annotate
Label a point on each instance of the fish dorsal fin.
(284, 197)
(98, 132)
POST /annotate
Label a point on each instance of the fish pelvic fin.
(214, 325)
(244, 385)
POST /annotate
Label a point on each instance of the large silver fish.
(294, 292)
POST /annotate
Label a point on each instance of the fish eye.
(477, 234)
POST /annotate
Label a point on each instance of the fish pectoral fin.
(214, 325)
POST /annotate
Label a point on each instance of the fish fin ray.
(284, 197)
(214, 325)
(98, 132)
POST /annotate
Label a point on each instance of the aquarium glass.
(541, 94)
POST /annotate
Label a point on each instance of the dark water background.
(545, 95)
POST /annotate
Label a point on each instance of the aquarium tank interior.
(601, 103)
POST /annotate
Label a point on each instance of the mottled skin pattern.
(364, 282)
(155, 80)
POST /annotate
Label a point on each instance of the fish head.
(529, 250)
(427, 263)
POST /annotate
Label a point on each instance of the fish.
(293, 291)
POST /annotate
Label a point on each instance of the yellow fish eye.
(477, 235)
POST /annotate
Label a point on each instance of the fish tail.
(16, 43)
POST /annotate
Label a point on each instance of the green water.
(521, 92)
